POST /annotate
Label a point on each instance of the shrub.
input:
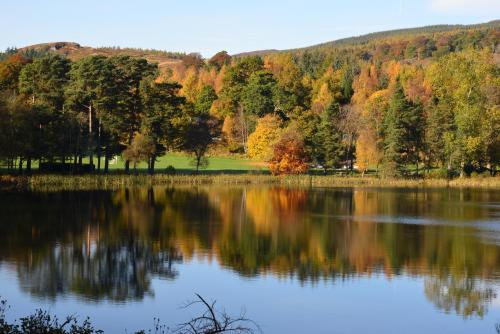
(170, 170)
(440, 173)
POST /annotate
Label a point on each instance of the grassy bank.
(116, 181)
(183, 162)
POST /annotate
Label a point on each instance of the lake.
(296, 260)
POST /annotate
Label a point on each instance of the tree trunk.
(106, 163)
(91, 144)
(20, 166)
(152, 165)
(28, 165)
(127, 163)
(75, 162)
(243, 129)
(198, 160)
(99, 145)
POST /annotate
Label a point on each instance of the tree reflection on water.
(109, 245)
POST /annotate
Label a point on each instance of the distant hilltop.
(75, 51)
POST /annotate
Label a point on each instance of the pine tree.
(330, 137)
(403, 132)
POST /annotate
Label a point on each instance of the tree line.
(398, 106)
(53, 109)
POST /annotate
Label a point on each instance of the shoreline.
(47, 182)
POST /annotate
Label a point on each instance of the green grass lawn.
(183, 162)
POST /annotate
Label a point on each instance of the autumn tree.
(232, 94)
(289, 155)
(10, 68)
(220, 59)
(262, 140)
(290, 91)
(465, 87)
(308, 124)
(194, 60)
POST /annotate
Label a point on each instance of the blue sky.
(208, 26)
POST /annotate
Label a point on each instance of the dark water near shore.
(349, 260)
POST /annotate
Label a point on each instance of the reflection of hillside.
(109, 245)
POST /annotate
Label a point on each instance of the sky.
(208, 26)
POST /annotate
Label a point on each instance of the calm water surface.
(347, 260)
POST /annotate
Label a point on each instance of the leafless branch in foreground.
(213, 321)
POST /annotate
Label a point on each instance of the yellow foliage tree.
(326, 90)
(368, 152)
(262, 140)
(190, 85)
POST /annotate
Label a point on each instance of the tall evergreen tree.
(93, 90)
(161, 109)
(43, 82)
(131, 71)
(403, 132)
(330, 142)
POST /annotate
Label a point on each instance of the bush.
(43, 322)
(170, 170)
(437, 174)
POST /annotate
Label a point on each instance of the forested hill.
(386, 36)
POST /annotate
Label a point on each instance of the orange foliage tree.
(9, 71)
(290, 156)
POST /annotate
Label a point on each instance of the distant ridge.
(367, 38)
(76, 51)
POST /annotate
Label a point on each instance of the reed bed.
(117, 181)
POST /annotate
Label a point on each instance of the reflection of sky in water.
(364, 305)
(488, 229)
(487, 223)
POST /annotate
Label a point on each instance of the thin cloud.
(466, 6)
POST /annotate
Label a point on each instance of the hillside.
(75, 51)
(382, 36)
